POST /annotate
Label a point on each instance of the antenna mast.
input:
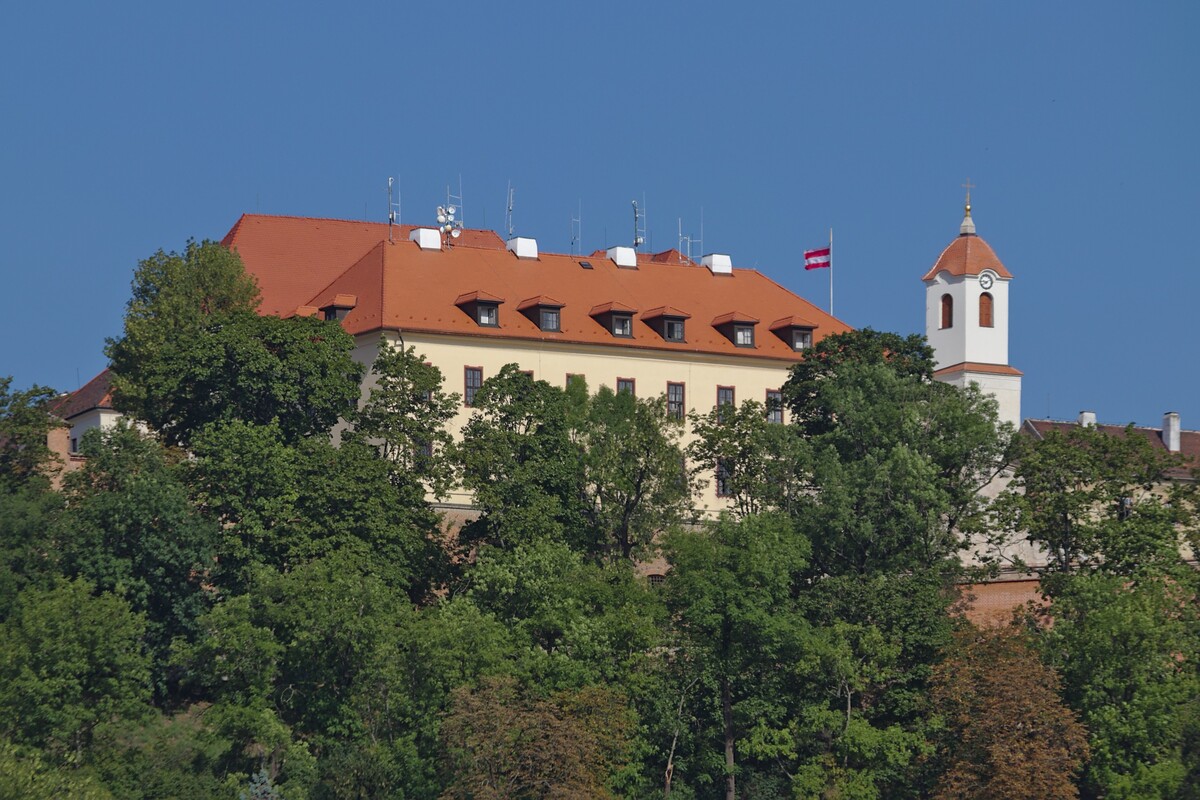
(639, 225)
(508, 223)
(393, 208)
(686, 241)
(577, 232)
(456, 200)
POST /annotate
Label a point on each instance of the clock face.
(985, 281)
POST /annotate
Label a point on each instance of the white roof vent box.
(523, 247)
(426, 238)
(719, 263)
(624, 257)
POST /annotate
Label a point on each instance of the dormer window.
(339, 307)
(795, 331)
(482, 307)
(668, 321)
(616, 317)
(543, 311)
(673, 330)
(737, 327)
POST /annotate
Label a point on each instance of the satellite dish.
(450, 210)
(441, 218)
(456, 233)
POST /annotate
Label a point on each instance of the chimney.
(718, 263)
(1087, 419)
(523, 247)
(1170, 431)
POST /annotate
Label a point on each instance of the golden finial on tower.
(968, 186)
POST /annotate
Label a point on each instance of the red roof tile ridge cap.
(612, 305)
(665, 311)
(478, 294)
(734, 316)
(540, 300)
(793, 321)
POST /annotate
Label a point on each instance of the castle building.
(701, 333)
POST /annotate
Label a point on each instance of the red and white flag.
(817, 259)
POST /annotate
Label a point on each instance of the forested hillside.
(245, 598)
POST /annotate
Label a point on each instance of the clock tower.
(966, 319)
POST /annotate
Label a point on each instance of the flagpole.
(831, 272)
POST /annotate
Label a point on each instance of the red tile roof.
(96, 393)
(1189, 441)
(967, 255)
(306, 262)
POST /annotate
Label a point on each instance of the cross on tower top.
(968, 186)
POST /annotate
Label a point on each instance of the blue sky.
(132, 127)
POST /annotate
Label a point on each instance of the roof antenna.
(450, 227)
(508, 223)
(457, 201)
(577, 232)
(639, 225)
(393, 208)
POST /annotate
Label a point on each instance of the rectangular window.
(743, 335)
(488, 315)
(625, 385)
(74, 444)
(675, 400)
(622, 325)
(724, 401)
(549, 319)
(528, 373)
(774, 406)
(723, 484)
(574, 376)
(673, 330)
(474, 379)
(801, 339)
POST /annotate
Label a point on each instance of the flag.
(817, 259)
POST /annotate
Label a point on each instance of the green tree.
(635, 484)
(761, 462)
(1127, 648)
(1108, 517)
(910, 358)
(522, 462)
(406, 415)
(296, 371)
(175, 297)
(1091, 500)
(25, 775)
(898, 460)
(283, 504)
(732, 593)
(129, 528)
(25, 422)
(70, 660)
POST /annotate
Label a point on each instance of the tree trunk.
(727, 712)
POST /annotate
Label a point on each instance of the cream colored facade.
(651, 371)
